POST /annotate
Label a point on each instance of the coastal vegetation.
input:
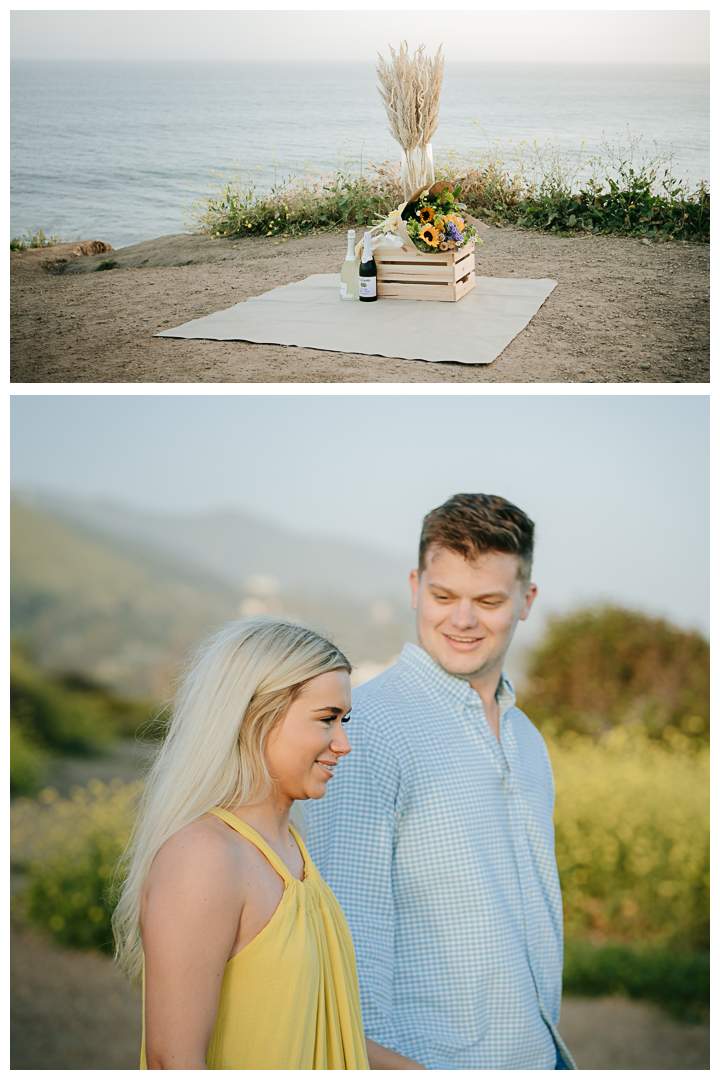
(633, 856)
(601, 668)
(65, 715)
(34, 240)
(632, 834)
(620, 190)
(631, 764)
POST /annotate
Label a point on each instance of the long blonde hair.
(238, 685)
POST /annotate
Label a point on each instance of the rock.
(177, 249)
(54, 259)
(92, 247)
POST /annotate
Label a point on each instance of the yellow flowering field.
(68, 847)
(632, 829)
(632, 836)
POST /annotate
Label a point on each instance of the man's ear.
(414, 586)
(530, 594)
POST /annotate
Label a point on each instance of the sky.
(617, 485)
(637, 36)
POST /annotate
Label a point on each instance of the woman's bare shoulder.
(203, 849)
(194, 893)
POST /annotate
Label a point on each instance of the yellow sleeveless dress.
(290, 998)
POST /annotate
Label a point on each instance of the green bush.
(68, 848)
(54, 718)
(600, 668)
(34, 240)
(27, 762)
(299, 203)
(64, 714)
(679, 982)
(128, 717)
(107, 264)
(71, 898)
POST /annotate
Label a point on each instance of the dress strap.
(307, 861)
(255, 838)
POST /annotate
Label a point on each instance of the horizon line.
(346, 60)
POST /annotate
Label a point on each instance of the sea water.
(108, 150)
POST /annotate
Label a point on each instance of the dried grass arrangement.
(410, 88)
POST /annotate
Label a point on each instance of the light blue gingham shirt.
(438, 842)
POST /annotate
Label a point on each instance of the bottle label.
(368, 286)
(343, 289)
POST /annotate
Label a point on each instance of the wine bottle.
(368, 272)
(349, 274)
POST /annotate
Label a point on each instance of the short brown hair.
(475, 524)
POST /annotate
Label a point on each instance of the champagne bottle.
(368, 272)
(349, 289)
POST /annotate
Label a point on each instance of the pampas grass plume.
(410, 89)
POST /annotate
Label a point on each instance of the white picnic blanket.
(310, 314)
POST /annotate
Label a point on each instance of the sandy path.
(624, 311)
(71, 1010)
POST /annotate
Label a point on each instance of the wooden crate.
(414, 275)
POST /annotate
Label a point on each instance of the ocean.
(107, 151)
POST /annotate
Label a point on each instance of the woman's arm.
(380, 1057)
(190, 923)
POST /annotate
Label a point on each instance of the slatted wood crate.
(411, 275)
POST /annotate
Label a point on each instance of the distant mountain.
(100, 600)
(122, 616)
(234, 546)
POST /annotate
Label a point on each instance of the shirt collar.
(423, 665)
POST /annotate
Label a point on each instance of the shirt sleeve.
(351, 838)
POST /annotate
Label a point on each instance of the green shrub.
(71, 899)
(54, 718)
(107, 264)
(679, 982)
(299, 203)
(599, 668)
(627, 192)
(69, 848)
(34, 240)
(125, 716)
(27, 762)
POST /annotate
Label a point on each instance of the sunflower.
(426, 214)
(429, 235)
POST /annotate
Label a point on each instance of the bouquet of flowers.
(432, 220)
(436, 221)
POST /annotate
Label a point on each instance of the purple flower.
(452, 232)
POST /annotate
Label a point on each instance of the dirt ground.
(624, 311)
(71, 1010)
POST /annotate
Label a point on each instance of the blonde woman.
(244, 955)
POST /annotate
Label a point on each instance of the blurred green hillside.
(114, 612)
(122, 613)
(62, 717)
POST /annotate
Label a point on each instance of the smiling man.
(437, 837)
